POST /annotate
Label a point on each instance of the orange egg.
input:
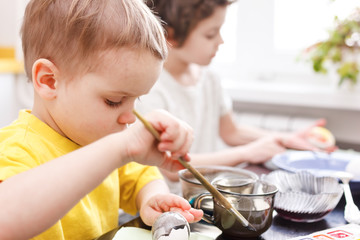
(321, 137)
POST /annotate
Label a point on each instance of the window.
(264, 39)
(299, 24)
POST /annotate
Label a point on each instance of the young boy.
(189, 91)
(69, 164)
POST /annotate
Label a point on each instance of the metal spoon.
(352, 213)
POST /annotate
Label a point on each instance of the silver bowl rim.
(273, 192)
(337, 190)
(234, 169)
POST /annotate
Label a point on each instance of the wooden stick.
(201, 178)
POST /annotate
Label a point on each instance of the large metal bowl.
(303, 197)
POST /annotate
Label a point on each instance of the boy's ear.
(44, 74)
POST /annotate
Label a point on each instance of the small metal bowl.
(303, 197)
(191, 187)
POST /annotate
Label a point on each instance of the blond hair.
(73, 33)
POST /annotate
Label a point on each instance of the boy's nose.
(126, 117)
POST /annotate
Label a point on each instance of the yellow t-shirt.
(29, 142)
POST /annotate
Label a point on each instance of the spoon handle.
(347, 192)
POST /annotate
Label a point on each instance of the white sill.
(303, 95)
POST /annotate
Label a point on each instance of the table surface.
(279, 230)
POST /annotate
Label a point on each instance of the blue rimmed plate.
(318, 163)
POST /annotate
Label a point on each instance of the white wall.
(8, 21)
(6, 99)
(8, 35)
(15, 92)
(11, 14)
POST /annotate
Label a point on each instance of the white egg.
(176, 234)
(170, 226)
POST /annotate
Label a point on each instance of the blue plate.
(318, 163)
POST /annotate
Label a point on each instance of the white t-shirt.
(201, 106)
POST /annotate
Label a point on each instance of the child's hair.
(73, 34)
(183, 15)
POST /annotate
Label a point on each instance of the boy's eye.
(113, 104)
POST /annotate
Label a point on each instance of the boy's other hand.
(161, 203)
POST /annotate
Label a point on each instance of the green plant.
(342, 48)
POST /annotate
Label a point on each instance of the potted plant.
(341, 49)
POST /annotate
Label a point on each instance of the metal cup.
(254, 200)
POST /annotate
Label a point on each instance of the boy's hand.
(175, 140)
(161, 203)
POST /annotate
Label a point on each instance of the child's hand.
(159, 204)
(175, 140)
(301, 140)
(261, 150)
